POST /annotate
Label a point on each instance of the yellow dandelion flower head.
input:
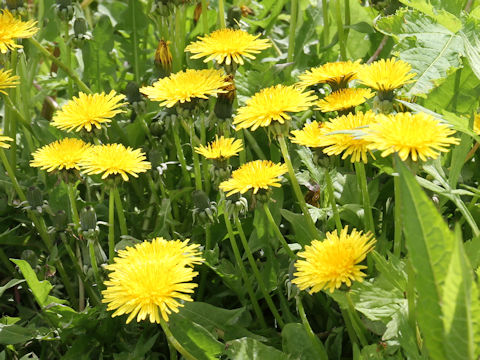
(62, 154)
(256, 175)
(4, 141)
(114, 159)
(227, 46)
(186, 86)
(334, 261)
(88, 111)
(415, 135)
(344, 99)
(7, 80)
(337, 74)
(309, 136)
(386, 75)
(350, 145)
(476, 124)
(220, 148)
(272, 104)
(150, 279)
(12, 28)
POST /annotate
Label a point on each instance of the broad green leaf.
(40, 289)
(195, 338)
(430, 244)
(433, 50)
(460, 298)
(299, 225)
(472, 45)
(247, 348)
(391, 269)
(443, 17)
(15, 334)
(297, 344)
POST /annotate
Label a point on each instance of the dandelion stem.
(180, 155)
(277, 231)
(221, 14)
(243, 153)
(243, 272)
(205, 16)
(397, 237)
(254, 145)
(93, 261)
(68, 58)
(61, 65)
(13, 120)
(341, 38)
(120, 213)
(204, 270)
(296, 187)
(347, 20)
(317, 344)
(111, 225)
(256, 272)
(71, 189)
(135, 44)
(203, 139)
(326, 23)
(81, 286)
(196, 162)
(292, 30)
(362, 179)
(356, 322)
(333, 203)
(171, 339)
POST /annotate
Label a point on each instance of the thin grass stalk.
(341, 37)
(120, 212)
(174, 342)
(314, 340)
(333, 202)
(292, 30)
(367, 209)
(256, 272)
(296, 187)
(277, 232)
(243, 272)
(111, 225)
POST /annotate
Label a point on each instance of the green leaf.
(459, 300)
(472, 45)
(15, 334)
(10, 284)
(296, 343)
(299, 225)
(443, 17)
(433, 50)
(195, 338)
(430, 244)
(40, 289)
(247, 348)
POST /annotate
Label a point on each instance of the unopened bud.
(88, 219)
(163, 57)
(224, 105)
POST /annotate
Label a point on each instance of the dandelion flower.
(7, 80)
(344, 99)
(151, 279)
(114, 159)
(272, 104)
(386, 75)
(349, 144)
(62, 154)
(4, 141)
(88, 111)
(329, 263)
(11, 29)
(337, 74)
(227, 46)
(310, 135)
(221, 148)
(415, 135)
(186, 86)
(256, 175)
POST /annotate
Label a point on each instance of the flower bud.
(224, 104)
(163, 58)
(88, 219)
(64, 9)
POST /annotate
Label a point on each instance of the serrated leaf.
(247, 348)
(40, 289)
(443, 17)
(296, 343)
(433, 50)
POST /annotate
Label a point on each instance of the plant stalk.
(292, 30)
(362, 179)
(277, 231)
(111, 225)
(333, 202)
(315, 341)
(171, 339)
(221, 14)
(340, 30)
(120, 212)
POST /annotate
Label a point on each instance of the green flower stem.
(71, 188)
(397, 237)
(362, 179)
(221, 14)
(111, 225)
(66, 281)
(68, 59)
(348, 324)
(256, 272)
(296, 187)
(203, 139)
(17, 113)
(326, 23)
(89, 289)
(204, 269)
(347, 19)
(81, 285)
(196, 162)
(93, 261)
(279, 235)
(205, 16)
(120, 212)
(180, 24)
(171, 339)
(136, 69)
(186, 127)
(333, 203)
(13, 119)
(180, 155)
(254, 145)
(356, 322)
(317, 344)
(243, 272)
(61, 65)
(38, 222)
(341, 37)
(292, 30)
(243, 153)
